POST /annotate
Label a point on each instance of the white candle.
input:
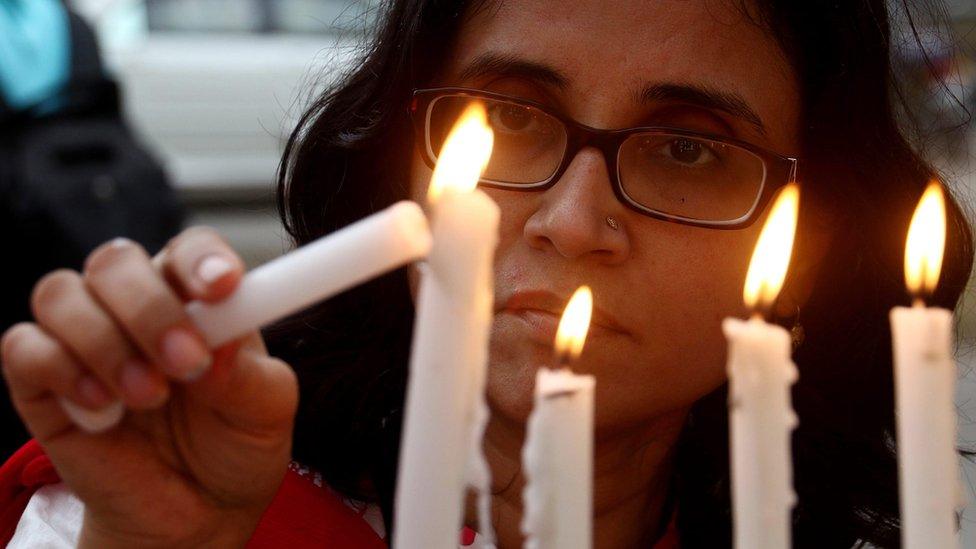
(761, 419)
(445, 392)
(925, 375)
(557, 458)
(761, 416)
(363, 250)
(558, 462)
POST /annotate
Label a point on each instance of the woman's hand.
(205, 438)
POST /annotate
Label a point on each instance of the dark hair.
(350, 155)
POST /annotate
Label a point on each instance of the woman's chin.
(513, 363)
(510, 391)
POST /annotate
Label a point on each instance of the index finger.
(200, 265)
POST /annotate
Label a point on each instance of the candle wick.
(560, 394)
(763, 309)
(563, 360)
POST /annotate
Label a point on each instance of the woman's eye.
(688, 151)
(684, 150)
(511, 118)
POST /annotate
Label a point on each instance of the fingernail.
(186, 356)
(93, 421)
(93, 392)
(140, 386)
(120, 242)
(212, 268)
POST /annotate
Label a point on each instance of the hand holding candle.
(760, 375)
(558, 453)
(383, 241)
(925, 375)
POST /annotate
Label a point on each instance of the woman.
(744, 87)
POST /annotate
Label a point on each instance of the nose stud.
(613, 223)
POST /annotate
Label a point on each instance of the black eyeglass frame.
(778, 170)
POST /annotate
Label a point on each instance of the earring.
(797, 334)
(613, 223)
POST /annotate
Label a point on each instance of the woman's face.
(660, 289)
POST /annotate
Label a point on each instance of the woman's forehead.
(607, 54)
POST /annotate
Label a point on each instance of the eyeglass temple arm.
(791, 176)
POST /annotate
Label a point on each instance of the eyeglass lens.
(672, 174)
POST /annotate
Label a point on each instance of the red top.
(304, 514)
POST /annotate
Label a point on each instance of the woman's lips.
(541, 325)
(541, 310)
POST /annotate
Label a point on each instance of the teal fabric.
(35, 52)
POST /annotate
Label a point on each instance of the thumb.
(249, 388)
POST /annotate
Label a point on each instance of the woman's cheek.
(681, 351)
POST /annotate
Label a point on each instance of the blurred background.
(215, 86)
(138, 117)
(210, 89)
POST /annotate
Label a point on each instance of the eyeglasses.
(667, 173)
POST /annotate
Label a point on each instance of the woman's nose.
(579, 217)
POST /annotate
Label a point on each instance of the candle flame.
(771, 258)
(575, 322)
(465, 154)
(925, 245)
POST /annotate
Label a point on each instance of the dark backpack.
(68, 182)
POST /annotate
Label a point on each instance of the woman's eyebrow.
(703, 96)
(503, 64)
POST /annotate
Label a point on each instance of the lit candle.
(445, 409)
(363, 250)
(557, 458)
(925, 376)
(760, 371)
